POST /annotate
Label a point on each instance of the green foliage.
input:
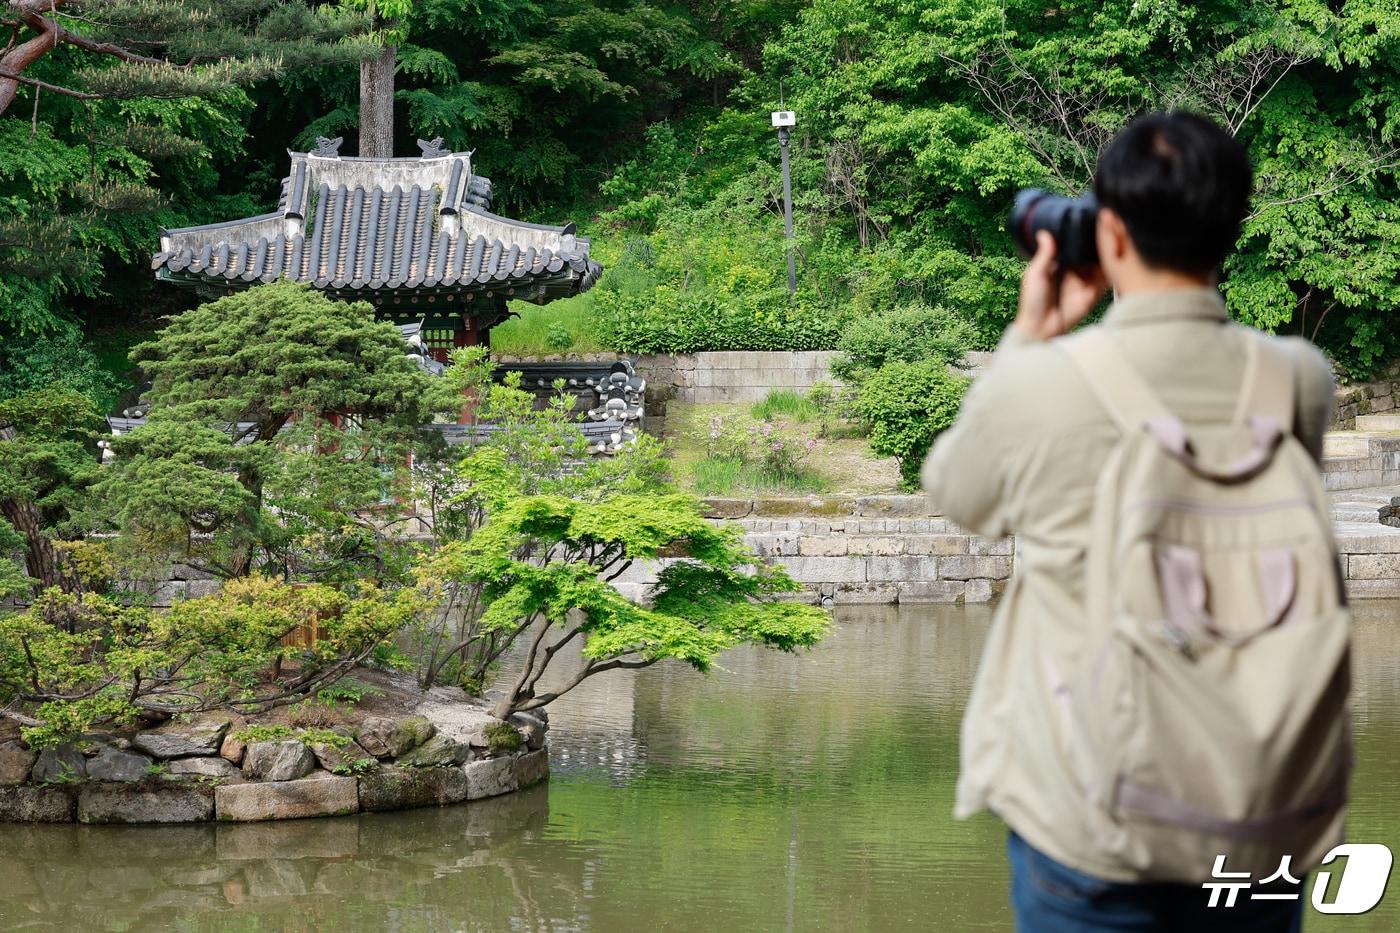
(502, 738)
(907, 405)
(538, 538)
(278, 417)
(111, 662)
(347, 691)
(309, 737)
(258, 732)
(356, 767)
(544, 562)
(902, 334)
(787, 404)
(757, 458)
(47, 462)
(565, 325)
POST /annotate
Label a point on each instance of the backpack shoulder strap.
(1268, 388)
(1118, 387)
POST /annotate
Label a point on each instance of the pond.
(777, 794)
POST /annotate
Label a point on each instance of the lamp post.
(784, 121)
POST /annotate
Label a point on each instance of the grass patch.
(785, 403)
(565, 326)
(721, 476)
(840, 460)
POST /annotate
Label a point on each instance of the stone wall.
(449, 751)
(1366, 398)
(862, 549)
(734, 376)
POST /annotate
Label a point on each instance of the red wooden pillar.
(466, 336)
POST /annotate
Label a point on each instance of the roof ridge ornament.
(328, 148)
(432, 148)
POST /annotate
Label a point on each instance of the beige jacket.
(1023, 457)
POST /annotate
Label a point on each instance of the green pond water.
(778, 793)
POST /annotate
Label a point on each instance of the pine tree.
(168, 48)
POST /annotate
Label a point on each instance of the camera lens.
(1069, 220)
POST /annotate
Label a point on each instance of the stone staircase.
(1366, 457)
(1361, 469)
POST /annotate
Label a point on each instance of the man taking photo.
(1160, 715)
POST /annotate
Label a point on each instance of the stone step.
(1353, 512)
(1345, 444)
(1378, 422)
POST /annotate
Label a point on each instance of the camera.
(1069, 220)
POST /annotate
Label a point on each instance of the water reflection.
(777, 794)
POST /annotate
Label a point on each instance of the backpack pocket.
(1202, 751)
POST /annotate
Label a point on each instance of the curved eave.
(537, 288)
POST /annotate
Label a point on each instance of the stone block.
(286, 800)
(438, 752)
(978, 591)
(16, 762)
(811, 546)
(59, 763)
(727, 508)
(281, 760)
(1373, 589)
(183, 741)
(232, 749)
(892, 506)
(331, 757)
(194, 589)
(979, 546)
(533, 730)
(931, 591)
(26, 803)
(937, 544)
(971, 568)
(170, 803)
(491, 777)
(1369, 542)
(876, 547)
(825, 569)
(403, 788)
(389, 738)
(213, 766)
(1373, 567)
(898, 569)
(531, 768)
(113, 764)
(811, 506)
(785, 544)
(865, 594)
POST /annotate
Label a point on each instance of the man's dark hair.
(1181, 185)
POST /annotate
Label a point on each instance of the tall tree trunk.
(377, 104)
(40, 559)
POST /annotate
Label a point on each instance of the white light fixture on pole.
(784, 121)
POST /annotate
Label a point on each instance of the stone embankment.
(861, 549)
(448, 751)
(896, 549)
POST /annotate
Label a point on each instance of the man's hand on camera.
(1052, 303)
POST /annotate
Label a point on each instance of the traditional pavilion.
(413, 236)
(417, 239)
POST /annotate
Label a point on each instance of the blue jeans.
(1048, 897)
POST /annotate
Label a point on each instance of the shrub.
(907, 405)
(906, 334)
(675, 320)
(111, 663)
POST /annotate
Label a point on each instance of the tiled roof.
(365, 225)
